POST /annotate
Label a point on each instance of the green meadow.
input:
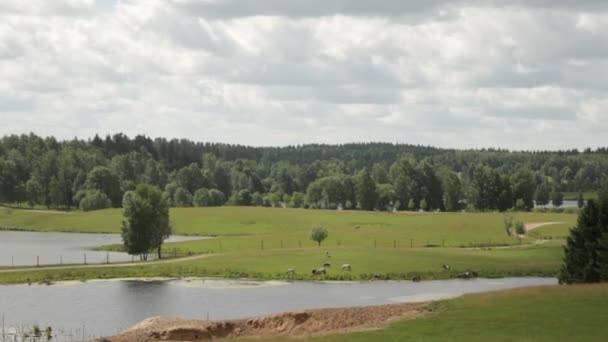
(265, 242)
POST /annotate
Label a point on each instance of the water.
(28, 248)
(100, 308)
(568, 204)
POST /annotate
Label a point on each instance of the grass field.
(265, 242)
(559, 313)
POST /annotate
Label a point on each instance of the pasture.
(265, 242)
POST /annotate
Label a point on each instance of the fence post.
(411, 243)
(262, 244)
(85, 258)
(443, 243)
(108, 257)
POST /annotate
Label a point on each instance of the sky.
(516, 74)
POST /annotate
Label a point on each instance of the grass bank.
(560, 313)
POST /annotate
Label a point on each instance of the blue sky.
(523, 74)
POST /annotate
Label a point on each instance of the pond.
(30, 248)
(78, 310)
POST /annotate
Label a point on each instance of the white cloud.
(523, 74)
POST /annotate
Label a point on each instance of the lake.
(78, 310)
(28, 248)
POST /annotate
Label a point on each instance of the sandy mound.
(293, 324)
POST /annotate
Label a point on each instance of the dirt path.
(293, 324)
(129, 264)
(532, 226)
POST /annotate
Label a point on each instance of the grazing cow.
(446, 267)
(357, 227)
(291, 271)
(319, 271)
(346, 267)
(416, 278)
(326, 265)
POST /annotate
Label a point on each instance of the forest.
(95, 173)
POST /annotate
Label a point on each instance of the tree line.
(97, 173)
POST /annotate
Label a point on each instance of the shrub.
(217, 197)
(94, 200)
(520, 228)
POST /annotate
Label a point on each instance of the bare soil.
(532, 226)
(290, 324)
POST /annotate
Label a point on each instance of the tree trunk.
(159, 254)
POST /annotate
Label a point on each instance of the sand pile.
(294, 324)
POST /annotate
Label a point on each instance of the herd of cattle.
(347, 267)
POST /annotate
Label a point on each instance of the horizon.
(300, 145)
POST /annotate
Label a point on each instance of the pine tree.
(586, 256)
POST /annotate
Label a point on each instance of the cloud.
(518, 74)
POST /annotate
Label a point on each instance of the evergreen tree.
(584, 259)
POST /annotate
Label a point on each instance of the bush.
(94, 200)
(202, 198)
(217, 197)
(520, 228)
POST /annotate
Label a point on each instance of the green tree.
(242, 197)
(218, 198)
(105, 180)
(297, 200)
(146, 221)
(524, 186)
(319, 234)
(202, 198)
(386, 197)
(557, 198)
(366, 190)
(182, 198)
(585, 257)
(542, 194)
(581, 201)
(452, 191)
